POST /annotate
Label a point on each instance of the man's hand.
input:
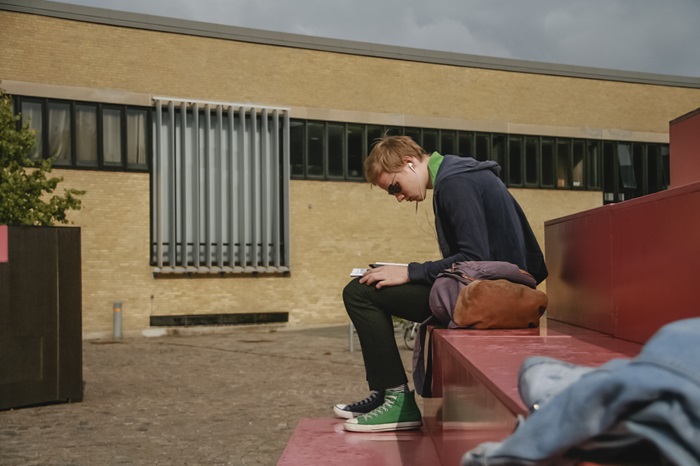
(386, 275)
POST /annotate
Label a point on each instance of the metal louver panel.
(220, 188)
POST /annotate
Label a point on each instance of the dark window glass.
(86, 134)
(414, 133)
(393, 131)
(296, 150)
(482, 148)
(547, 160)
(112, 136)
(60, 141)
(579, 152)
(595, 169)
(335, 149)
(654, 169)
(624, 158)
(464, 140)
(373, 133)
(90, 134)
(498, 152)
(531, 165)
(658, 168)
(448, 142)
(515, 164)
(32, 115)
(610, 172)
(665, 164)
(430, 140)
(355, 150)
(563, 163)
(314, 161)
(136, 137)
(638, 163)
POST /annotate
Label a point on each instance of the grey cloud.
(636, 35)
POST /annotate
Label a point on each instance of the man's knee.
(354, 290)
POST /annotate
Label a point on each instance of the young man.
(476, 219)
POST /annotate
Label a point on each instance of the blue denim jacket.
(648, 405)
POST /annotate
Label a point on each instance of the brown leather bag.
(490, 304)
(487, 294)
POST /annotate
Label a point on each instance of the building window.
(532, 162)
(579, 156)
(337, 159)
(336, 151)
(498, 151)
(88, 134)
(297, 138)
(220, 200)
(515, 161)
(547, 162)
(356, 145)
(136, 137)
(594, 165)
(373, 133)
(315, 147)
(563, 162)
(33, 116)
(448, 142)
(466, 141)
(415, 134)
(332, 151)
(60, 134)
(483, 147)
(430, 140)
(119, 137)
(112, 137)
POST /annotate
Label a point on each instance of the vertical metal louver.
(220, 188)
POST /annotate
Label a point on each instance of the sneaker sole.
(353, 427)
(341, 413)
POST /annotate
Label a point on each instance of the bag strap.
(422, 370)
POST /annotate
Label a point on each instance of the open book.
(358, 272)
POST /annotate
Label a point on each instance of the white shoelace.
(389, 401)
(373, 396)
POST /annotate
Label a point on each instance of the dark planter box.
(40, 316)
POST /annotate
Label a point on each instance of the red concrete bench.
(324, 442)
(475, 398)
(475, 378)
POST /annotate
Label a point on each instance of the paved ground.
(223, 398)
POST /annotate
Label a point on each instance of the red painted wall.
(627, 269)
(684, 133)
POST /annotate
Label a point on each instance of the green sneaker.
(399, 412)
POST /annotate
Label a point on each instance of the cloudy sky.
(655, 36)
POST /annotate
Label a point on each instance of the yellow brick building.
(77, 56)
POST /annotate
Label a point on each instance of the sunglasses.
(394, 188)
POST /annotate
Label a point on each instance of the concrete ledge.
(324, 442)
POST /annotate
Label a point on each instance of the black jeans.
(370, 311)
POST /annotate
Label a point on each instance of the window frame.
(122, 165)
(553, 157)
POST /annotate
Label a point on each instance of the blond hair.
(387, 156)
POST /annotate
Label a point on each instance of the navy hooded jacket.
(477, 219)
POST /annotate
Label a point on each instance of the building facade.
(223, 166)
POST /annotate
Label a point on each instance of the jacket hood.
(452, 165)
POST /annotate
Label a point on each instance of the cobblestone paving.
(230, 398)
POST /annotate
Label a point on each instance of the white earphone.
(410, 165)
